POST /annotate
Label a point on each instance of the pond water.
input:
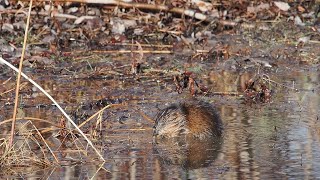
(277, 140)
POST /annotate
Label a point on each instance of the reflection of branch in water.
(267, 78)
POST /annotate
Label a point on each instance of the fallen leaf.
(298, 21)
(255, 9)
(203, 6)
(7, 27)
(48, 39)
(40, 60)
(19, 25)
(6, 48)
(304, 39)
(301, 9)
(120, 25)
(73, 10)
(282, 5)
(82, 18)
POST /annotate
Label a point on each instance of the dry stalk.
(45, 143)
(126, 130)
(19, 77)
(97, 113)
(146, 117)
(36, 160)
(143, 45)
(6, 81)
(4, 147)
(31, 119)
(97, 171)
(266, 78)
(80, 148)
(21, 153)
(226, 93)
(121, 52)
(98, 124)
(112, 106)
(22, 85)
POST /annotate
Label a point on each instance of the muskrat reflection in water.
(189, 154)
(193, 118)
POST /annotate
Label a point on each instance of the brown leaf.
(301, 9)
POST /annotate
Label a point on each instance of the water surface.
(276, 140)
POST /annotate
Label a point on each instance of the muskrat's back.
(196, 118)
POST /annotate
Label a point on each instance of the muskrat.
(193, 118)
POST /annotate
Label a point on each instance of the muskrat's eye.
(182, 131)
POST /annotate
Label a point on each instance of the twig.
(6, 81)
(54, 156)
(54, 14)
(97, 171)
(19, 77)
(143, 45)
(29, 118)
(21, 86)
(91, 117)
(140, 129)
(267, 78)
(156, 7)
(55, 102)
(226, 93)
(30, 136)
(146, 117)
(119, 52)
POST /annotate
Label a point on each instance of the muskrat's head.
(194, 118)
(170, 122)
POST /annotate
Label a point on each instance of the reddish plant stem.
(19, 78)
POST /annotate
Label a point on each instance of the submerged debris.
(257, 90)
(187, 81)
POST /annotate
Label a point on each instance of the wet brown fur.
(196, 118)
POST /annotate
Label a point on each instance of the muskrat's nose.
(155, 138)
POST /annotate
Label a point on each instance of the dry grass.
(41, 148)
(29, 150)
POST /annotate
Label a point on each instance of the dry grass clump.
(29, 150)
(41, 148)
